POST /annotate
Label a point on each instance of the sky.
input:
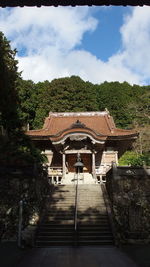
(96, 43)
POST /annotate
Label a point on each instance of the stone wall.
(28, 183)
(129, 192)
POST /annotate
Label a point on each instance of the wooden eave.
(39, 137)
(39, 3)
(123, 137)
(79, 131)
(98, 137)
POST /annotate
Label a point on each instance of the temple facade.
(90, 138)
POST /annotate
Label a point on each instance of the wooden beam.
(39, 3)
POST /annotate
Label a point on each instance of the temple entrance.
(86, 159)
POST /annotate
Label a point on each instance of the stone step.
(54, 233)
(98, 232)
(71, 242)
(55, 238)
(82, 231)
(92, 220)
(71, 215)
(66, 232)
(43, 244)
(71, 238)
(61, 208)
(57, 213)
(60, 222)
(65, 203)
(61, 195)
(71, 222)
(95, 238)
(95, 243)
(61, 198)
(57, 226)
(57, 220)
(84, 228)
(84, 210)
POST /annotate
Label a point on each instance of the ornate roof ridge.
(78, 114)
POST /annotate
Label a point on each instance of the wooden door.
(86, 159)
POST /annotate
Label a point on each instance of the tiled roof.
(100, 125)
(38, 3)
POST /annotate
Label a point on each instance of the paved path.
(76, 257)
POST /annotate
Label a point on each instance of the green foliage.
(134, 159)
(129, 105)
(64, 94)
(140, 105)
(28, 101)
(115, 97)
(8, 83)
(17, 106)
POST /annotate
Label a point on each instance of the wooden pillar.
(93, 164)
(64, 164)
(117, 157)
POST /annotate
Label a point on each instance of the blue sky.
(106, 39)
(96, 43)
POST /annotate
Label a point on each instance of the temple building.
(90, 138)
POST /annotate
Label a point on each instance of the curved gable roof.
(99, 125)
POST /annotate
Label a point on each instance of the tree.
(16, 150)
(140, 105)
(115, 97)
(14, 145)
(8, 86)
(28, 93)
(65, 94)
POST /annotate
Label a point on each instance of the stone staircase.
(93, 223)
(57, 224)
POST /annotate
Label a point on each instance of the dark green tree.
(65, 94)
(140, 105)
(28, 93)
(16, 150)
(14, 145)
(115, 97)
(8, 86)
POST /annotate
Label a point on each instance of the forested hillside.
(129, 105)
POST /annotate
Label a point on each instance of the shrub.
(134, 159)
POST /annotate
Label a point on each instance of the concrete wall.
(129, 192)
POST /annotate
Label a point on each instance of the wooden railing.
(55, 170)
(55, 175)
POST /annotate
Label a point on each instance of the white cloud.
(37, 28)
(47, 40)
(136, 40)
(81, 63)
